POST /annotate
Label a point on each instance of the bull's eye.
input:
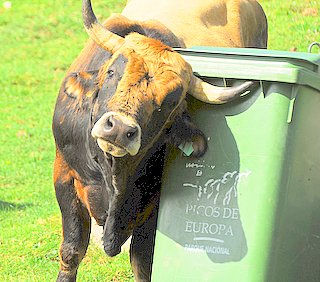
(110, 73)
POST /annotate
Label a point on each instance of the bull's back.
(225, 23)
(229, 23)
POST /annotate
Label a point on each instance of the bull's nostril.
(132, 133)
(109, 123)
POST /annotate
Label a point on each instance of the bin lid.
(255, 64)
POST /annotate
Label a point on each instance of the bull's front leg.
(76, 223)
(142, 247)
(184, 131)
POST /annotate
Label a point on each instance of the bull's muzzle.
(117, 134)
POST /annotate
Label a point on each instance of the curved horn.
(103, 37)
(208, 93)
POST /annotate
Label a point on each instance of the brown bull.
(121, 102)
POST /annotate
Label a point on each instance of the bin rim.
(303, 56)
(283, 66)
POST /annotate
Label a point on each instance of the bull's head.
(143, 86)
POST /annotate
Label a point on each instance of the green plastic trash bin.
(249, 210)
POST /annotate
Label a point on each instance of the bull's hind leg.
(76, 222)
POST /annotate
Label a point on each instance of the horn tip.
(88, 16)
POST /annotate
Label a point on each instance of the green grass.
(293, 24)
(39, 39)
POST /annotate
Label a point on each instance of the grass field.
(39, 39)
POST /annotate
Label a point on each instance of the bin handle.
(311, 46)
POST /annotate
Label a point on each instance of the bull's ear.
(81, 84)
(185, 135)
